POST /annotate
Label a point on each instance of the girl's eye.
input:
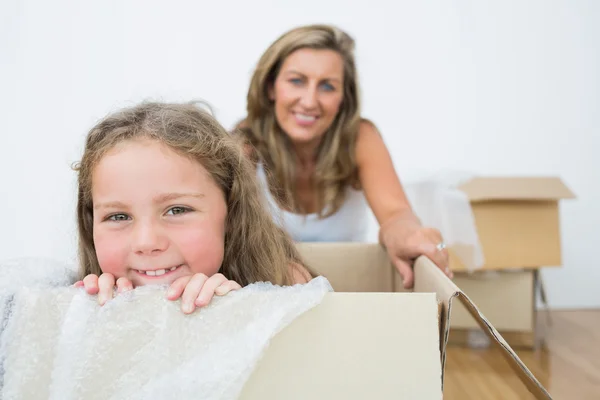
(118, 217)
(296, 81)
(177, 210)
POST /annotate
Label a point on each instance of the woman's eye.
(296, 81)
(177, 210)
(118, 217)
(328, 87)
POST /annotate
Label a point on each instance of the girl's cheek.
(111, 256)
(202, 250)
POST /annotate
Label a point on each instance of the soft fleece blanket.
(56, 342)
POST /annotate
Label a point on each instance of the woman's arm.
(377, 175)
(401, 232)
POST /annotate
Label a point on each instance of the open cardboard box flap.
(429, 278)
(539, 188)
(361, 274)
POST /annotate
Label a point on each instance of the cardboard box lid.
(516, 188)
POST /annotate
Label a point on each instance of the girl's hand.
(104, 286)
(198, 290)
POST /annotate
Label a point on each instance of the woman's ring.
(441, 246)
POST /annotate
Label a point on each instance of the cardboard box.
(518, 224)
(517, 220)
(371, 338)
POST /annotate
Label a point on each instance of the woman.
(321, 163)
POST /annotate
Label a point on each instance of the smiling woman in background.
(322, 165)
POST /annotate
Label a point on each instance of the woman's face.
(308, 92)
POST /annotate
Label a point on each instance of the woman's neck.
(306, 155)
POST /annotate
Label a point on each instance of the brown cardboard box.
(518, 224)
(517, 221)
(367, 340)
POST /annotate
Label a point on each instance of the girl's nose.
(148, 238)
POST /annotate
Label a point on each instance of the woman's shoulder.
(367, 129)
(368, 138)
(241, 124)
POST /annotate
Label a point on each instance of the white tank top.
(348, 224)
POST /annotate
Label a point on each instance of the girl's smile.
(157, 272)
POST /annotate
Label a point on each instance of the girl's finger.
(123, 285)
(176, 288)
(90, 282)
(78, 284)
(208, 290)
(227, 287)
(191, 292)
(106, 284)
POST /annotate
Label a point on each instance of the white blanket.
(57, 343)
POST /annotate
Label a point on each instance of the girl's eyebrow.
(162, 198)
(110, 204)
(165, 197)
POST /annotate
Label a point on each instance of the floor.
(567, 363)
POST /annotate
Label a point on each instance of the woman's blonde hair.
(336, 164)
(255, 248)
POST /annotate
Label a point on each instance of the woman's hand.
(198, 290)
(104, 286)
(405, 239)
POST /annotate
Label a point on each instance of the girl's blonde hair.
(256, 249)
(336, 164)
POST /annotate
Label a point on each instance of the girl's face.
(158, 216)
(308, 92)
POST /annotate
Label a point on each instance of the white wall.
(458, 85)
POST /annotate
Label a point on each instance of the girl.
(166, 196)
(321, 163)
